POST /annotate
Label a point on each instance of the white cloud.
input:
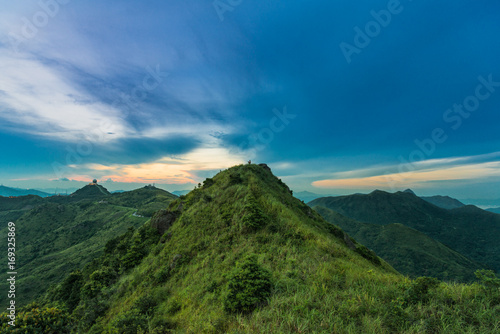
(37, 99)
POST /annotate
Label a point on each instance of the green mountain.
(58, 234)
(494, 210)
(468, 230)
(242, 255)
(409, 251)
(307, 196)
(444, 202)
(7, 192)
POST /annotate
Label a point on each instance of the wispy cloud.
(37, 99)
(177, 169)
(422, 173)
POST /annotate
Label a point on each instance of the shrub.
(146, 305)
(420, 288)
(34, 319)
(254, 217)
(98, 280)
(249, 286)
(162, 275)
(130, 322)
(173, 307)
(69, 291)
(368, 254)
(208, 182)
(488, 279)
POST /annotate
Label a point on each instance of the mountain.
(482, 202)
(494, 210)
(409, 251)
(307, 196)
(61, 233)
(148, 199)
(240, 254)
(468, 230)
(7, 191)
(90, 191)
(444, 202)
(181, 192)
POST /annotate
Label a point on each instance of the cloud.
(417, 175)
(37, 99)
(190, 167)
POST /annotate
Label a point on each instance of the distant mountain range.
(241, 254)
(62, 233)
(444, 202)
(495, 210)
(471, 231)
(7, 191)
(180, 192)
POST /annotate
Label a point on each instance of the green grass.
(409, 251)
(319, 284)
(472, 232)
(53, 239)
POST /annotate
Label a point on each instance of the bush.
(419, 290)
(98, 280)
(488, 279)
(162, 275)
(368, 254)
(254, 217)
(34, 319)
(249, 286)
(173, 307)
(146, 305)
(130, 322)
(69, 290)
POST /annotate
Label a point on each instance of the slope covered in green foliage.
(241, 255)
(409, 251)
(53, 239)
(468, 230)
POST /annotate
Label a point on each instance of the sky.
(337, 97)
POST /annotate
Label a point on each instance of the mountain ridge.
(450, 227)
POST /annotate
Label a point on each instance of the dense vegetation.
(241, 255)
(409, 251)
(59, 234)
(472, 232)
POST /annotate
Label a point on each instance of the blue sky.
(337, 97)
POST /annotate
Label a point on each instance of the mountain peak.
(409, 191)
(92, 190)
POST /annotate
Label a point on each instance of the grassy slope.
(407, 250)
(53, 239)
(319, 284)
(468, 230)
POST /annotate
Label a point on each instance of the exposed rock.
(265, 166)
(163, 220)
(349, 242)
(177, 257)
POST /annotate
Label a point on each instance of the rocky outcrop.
(163, 220)
(265, 166)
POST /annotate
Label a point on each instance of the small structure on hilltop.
(93, 183)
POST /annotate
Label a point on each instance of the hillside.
(8, 191)
(148, 199)
(407, 250)
(494, 210)
(55, 238)
(242, 255)
(444, 202)
(468, 230)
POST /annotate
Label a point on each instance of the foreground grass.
(320, 283)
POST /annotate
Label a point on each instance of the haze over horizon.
(336, 97)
